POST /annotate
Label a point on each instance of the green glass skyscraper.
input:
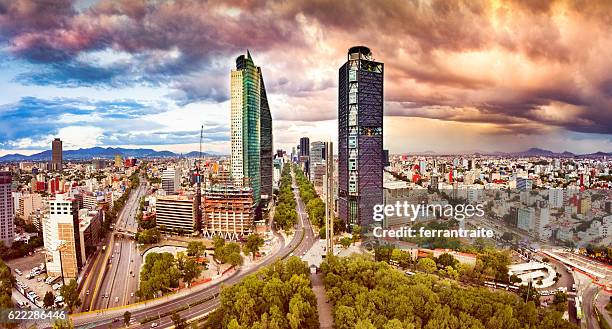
(251, 128)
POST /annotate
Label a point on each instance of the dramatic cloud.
(508, 67)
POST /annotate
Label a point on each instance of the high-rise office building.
(265, 141)
(317, 152)
(6, 209)
(360, 137)
(171, 180)
(250, 125)
(304, 146)
(61, 237)
(57, 157)
(175, 213)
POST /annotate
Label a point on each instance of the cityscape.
(191, 165)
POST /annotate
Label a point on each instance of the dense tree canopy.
(159, 274)
(315, 207)
(368, 294)
(285, 215)
(278, 296)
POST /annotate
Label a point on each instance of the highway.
(589, 306)
(110, 283)
(302, 241)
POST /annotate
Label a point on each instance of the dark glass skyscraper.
(305, 154)
(265, 140)
(360, 137)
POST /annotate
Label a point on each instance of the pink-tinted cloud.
(523, 66)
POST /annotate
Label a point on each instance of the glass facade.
(251, 126)
(265, 140)
(360, 133)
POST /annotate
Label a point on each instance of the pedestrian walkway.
(326, 320)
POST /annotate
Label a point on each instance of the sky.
(460, 76)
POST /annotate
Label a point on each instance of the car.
(154, 325)
(116, 299)
(131, 294)
(87, 292)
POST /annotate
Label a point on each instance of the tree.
(367, 294)
(515, 279)
(346, 242)
(191, 270)
(71, 295)
(196, 248)
(179, 323)
(426, 265)
(253, 243)
(159, 274)
(402, 258)
(48, 300)
(148, 236)
(446, 259)
(277, 296)
(356, 230)
(228, 253)
(127, 316)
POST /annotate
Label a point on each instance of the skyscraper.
(360, 137)
(57, 158)
(304, 146)
(305, 154)
(6, 209)
(265, 141)
(251, 126)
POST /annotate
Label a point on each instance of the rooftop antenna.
(198, 201)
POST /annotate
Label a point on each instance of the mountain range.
(101, 152)
(532, 152)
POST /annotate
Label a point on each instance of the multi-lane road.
(301, 242)
(113, 280)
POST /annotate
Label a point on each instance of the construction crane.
(198, 201)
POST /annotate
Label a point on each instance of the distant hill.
(101, 152)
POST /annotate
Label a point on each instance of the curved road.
(301, 242)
